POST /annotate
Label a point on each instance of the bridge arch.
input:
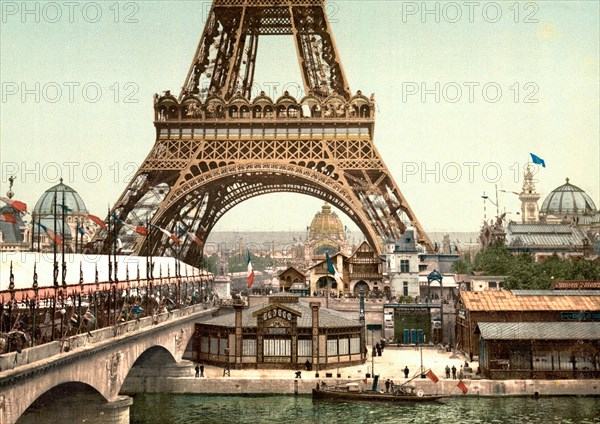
(64, 402)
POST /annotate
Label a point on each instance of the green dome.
(45, 205)
(568, 200)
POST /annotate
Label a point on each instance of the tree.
(463, 265)
(494, 260)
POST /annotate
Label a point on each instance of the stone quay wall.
(291, 386)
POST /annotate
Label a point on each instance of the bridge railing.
(41, 315)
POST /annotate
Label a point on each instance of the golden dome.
(326, 222)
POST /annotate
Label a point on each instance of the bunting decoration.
(8, 217)
(138, 229)
(168, 234)
(18, 205)
(56, 238)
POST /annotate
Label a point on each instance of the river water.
(166, 409)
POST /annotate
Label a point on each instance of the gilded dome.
(326, 222)
(568, 200)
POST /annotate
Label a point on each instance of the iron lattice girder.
(226, 55)
(215, 148)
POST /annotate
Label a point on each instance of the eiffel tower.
(216, 146)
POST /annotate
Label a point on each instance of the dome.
(45, 205)
(326, 222)
(568, 200)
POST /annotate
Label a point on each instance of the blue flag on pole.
(537, 160)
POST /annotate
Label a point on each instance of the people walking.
(447, 372)
(406, 371)
(197, 370)
(453, 372)
(201, 370)
(387, 385)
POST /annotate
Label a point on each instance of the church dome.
(74, 203)
(326, 222)
(568, 200)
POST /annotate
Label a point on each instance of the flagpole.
(32, 231)
(64, 237)
(54, 250)
(108, 235)
(38, 233)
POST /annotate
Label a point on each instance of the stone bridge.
(80, 379)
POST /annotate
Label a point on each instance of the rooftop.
(539, 330)
(535, 300)
(327, 318)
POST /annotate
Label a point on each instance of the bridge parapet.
(101, 362)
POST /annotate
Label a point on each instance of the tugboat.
(352, 391)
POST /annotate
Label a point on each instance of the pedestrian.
(299, 374)
(378, 347)
(201, 370)
(470, 356)
(387, 385)
(453, 372)
(307, 365)
(406, 372)
(197, 370)
(460, 373)
(447, 372)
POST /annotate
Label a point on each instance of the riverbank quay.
(390, 365)
(304, 386)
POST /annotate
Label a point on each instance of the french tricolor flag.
(56, 238)
(250, 271)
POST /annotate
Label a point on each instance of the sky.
(464, 91)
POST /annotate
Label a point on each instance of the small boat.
(351, 391)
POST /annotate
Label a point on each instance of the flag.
(8, 217)
(97, 220)
(167, 233)
(138, 229)
(430, 374)
(20, 206)
(56, 238)
(65, 208)
(250, 271)
(537, 160)
(462, 387)
(331, 269)
(195, 238)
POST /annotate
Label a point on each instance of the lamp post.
(34, 303)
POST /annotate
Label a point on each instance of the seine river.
(166, 409)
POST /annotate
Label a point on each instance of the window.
(305, 347)
(405, 288)
(214, 345)
(204, 345)
(492, 285)
(277, 347)
(223, 346)
(332, 347)
(249, 347)
(404, 265)
(355, 345)
(343, 346)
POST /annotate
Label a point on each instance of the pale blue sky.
(384, 51)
